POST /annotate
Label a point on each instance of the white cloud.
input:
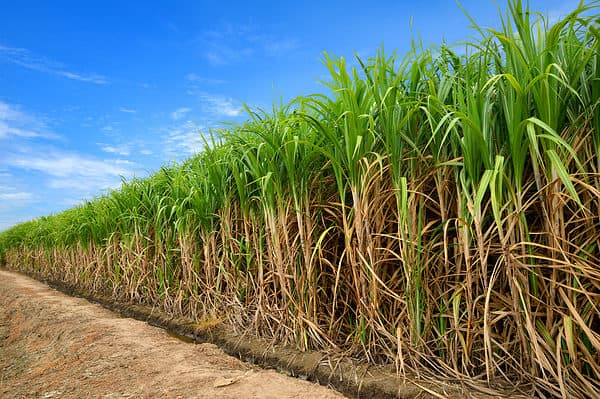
(6, 131)
(84, 185)
(61, 164)
(223, 54)
(125, 162)
(231, 44)
(121, 150)
(11, 200)
(182, 141)
(125, 149)
(172, 27)
(16, 123)
(26, 59)
(179, 113)
(276, 48)
(36, 176)
(10, 112)
(93, 78)
(18, 196)
(80, 176)
(192, 77)
(218, 105)
(128, 110)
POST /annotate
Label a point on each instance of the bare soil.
(56, 346)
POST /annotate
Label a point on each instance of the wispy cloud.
(97, 79)
(128, 110)
(222, 54)
(180, 113)
(184, 136)
(131, 147)
(213, 105)
(61, 164)
(218, 105)
(16, 123)
(12, 202)
(18, 196)
(182, 141)
(195, 78)
(7, 131)
(123, 150)
(64, 170)
(278, 47)
(171, 26)
(231, 44)
(36, 175)
(26, 59)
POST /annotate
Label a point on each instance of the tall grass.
(439, 211)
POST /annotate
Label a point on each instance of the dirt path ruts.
(56, 346)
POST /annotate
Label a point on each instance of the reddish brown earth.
(56, 346)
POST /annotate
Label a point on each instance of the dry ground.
(56, 346)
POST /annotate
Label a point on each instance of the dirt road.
(56, 346)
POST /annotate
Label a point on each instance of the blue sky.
(94, 91)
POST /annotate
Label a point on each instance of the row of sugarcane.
(438, 211)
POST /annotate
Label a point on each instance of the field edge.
(353, 379)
